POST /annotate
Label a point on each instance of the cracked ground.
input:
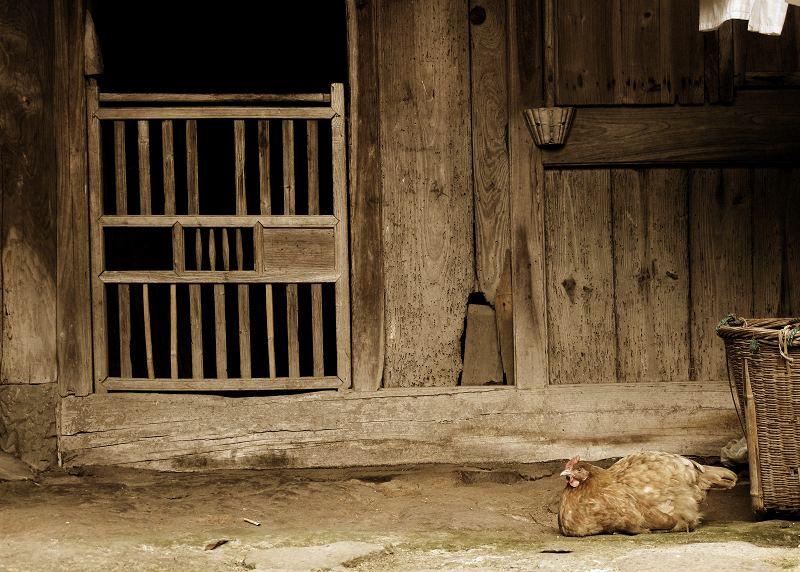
(423, 518)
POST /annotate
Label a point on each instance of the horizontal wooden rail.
(215, 97)
(216, 221)
(142, 113)
(216, 277)
(252, 384)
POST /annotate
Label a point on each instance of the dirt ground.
(430, 518)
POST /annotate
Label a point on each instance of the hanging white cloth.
(763, 16)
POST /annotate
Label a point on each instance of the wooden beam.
(527, 195)
(93, 57)
(142, 113)
(759, 128)
(214, 97)
(367, 279)
(73, 303)
(489, 89)
(214, 221)
(249, 384)
(393, 427)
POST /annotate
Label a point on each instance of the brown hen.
(643, 492)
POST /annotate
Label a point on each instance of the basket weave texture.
(764, 365)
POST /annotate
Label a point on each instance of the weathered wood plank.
(687, 50)
(123, 291)
(265, 206)
(276, 275)
(173, 331)
(250, 384)
(289, 197)
(504, 312)
(720, 256)
(243, 289)
(145, 198)
(214, 221)
(148, 336)
(214, 97)
(220, 322)
(482, 363)
(195, 301)
(342, 286)
(651, 274)
(312, 137)
(215, 112)
(489, 97)
(168, 166)
(640, 49)
(330, 429)
(93, 57)
(367, 277)
(585, 57)
(427, 188)
(760, 127)
(73, 302)
(580, 292)
(527, 194)
(28, 178)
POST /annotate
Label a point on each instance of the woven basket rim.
(766, 329)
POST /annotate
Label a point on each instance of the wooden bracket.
(549, 125)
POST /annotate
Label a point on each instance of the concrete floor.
(430, 518)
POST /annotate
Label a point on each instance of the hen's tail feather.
(716, 478)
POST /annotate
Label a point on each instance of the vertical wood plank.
(220, 323)
(367, 280)
(195, 301)
(123, 290)
(651, 274)
(720, 254)
(584, 32)
(168, 165)
(489, 87)
(99, 319)
(265, 206)
(427, 188)
(293, 344)
(179, 265)
(243, 289)
(312, 132)
(148, 338)
(342, 287)
(580, 293)
(73, 300)
(726, 87)
(687, 49)
(640, 73)
(145, 199)
(527, 195)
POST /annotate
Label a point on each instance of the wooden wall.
(27, 232)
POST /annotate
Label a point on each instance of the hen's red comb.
(573, 461)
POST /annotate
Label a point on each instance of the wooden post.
(73, 301)
(244, 289)
(289, 209)
(312, 130)
(195, 303)
(367, 279)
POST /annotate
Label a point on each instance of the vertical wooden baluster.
(312, 129)
(266, 209)
(219, 310)
(178, 256)
(179, 265)
(195, 304)
(168, 156)
(244, 289)
(289, 209)
(145, 205)
(226, 249)
(124, 291)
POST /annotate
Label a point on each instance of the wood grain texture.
(776, 251)
(489, 97)
(580, 286)
(28, 179)
(243, 301)
(504, 312)
(145, 195)
(760, 127)
(289, 250)
(651, 274)
(527, 192)
(168, 166)
(585, 56)
(73, 303)
(312, 146)
(482, 363)
(214, 112)
(427, 188)
(687, 50)
(720, 239)
(366, 245)
(330, 429)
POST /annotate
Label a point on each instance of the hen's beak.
(566, 473)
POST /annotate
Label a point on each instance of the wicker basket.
(764, 364)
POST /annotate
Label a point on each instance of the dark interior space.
(182, 46)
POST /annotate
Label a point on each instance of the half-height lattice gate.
(219, 241)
